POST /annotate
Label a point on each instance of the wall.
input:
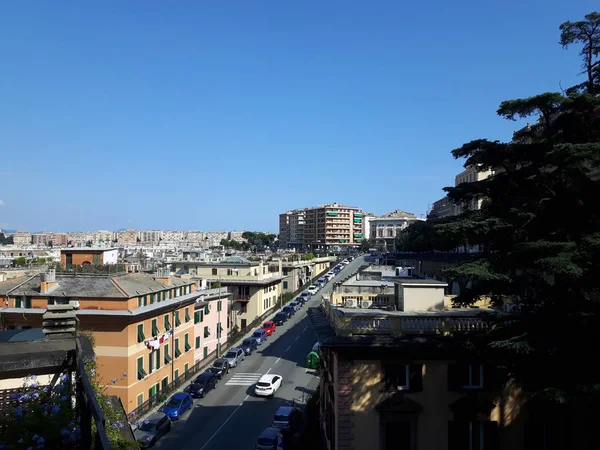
(110, 256)
(207, 345)
(425, 298)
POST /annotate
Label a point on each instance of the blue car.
(177, 405)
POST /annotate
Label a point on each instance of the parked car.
(280, 318)
(312, 290)
(249, 345)
(295, 305)
(289, 310)
(306, 294)
(177, 405)
(202, 385)
(260, 336)
(267, 385)
(269, 326)
(268, 439)
(301, 300)
(219, 368)
(322, 280)
(152, 428)
(234, 356)
(288, 418)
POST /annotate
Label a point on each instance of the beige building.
(298, 273)
(256, 286)
(325, 226)
(385, 229)
(22, 238)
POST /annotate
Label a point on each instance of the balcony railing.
(242, 298)
(347, 323)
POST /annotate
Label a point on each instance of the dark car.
(249, 345)
(219, 368)
(152, 428)
(288, 418)
(202, 385)
(268, 439)
(289, 310)
(280, 318)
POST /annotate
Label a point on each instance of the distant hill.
(2, 230)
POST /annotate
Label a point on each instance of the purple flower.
(63, 398)
(55, 409)
(35, 437)
(64, 378)
(124, 374)
(114, 380)
(46, 389)
(35, 385)
(15, 396)
(19, 411)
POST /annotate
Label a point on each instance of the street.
(231, 416)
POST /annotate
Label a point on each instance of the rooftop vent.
(59, 321)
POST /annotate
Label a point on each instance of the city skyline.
(162, 117)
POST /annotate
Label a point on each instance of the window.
(154, 361)
(140, 333)
(152, 298)
(155, 328)
(465, 376)
(403, 377)
(177, 292)
(23, 302)
(187, 345)
(177, 319)
(206, 309)
(205, 355)
(152, 391)
(176, 374)
(177, 350)
(214, 271)
(244, 308)
(187, 315)
(168, 358)
(58, 300)
(96, 259)
(285, 284)
(219, 330)
(472, 435)
(197, 342)
(219, 305)
(140, 302)
(196, 317)
(140, 399)
(206, 332)
(167, 323)
(141, 373)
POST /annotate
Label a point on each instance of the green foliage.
(258, 239)
(539, 228)
(234, 245)
(20, 261)
(5, 240)
(366, 244)
(308, 257)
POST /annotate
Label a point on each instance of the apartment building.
(128, 236)
(256, 285)
(22, 238)
(82, 256)
(331, 225)
(211, 313)
(142, 325)
(297, 273)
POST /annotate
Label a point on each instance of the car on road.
(306, 294)
(219, 368)
(312, 290)
(301, 300)
(234, 356)
(321, 280)
(177, 405)
(152, 428)
(268, 439)
(288, 418)
(260, 336)
(289, 310)
(249, 345)
(295, 305)
(280, 318)
(269, 326)
(202, 385)
(267, 385)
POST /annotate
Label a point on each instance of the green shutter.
(205, 352)
(157, 358)
(167, 323)
(177, 320)
(219, 329)
(197, 342)
(187, 315)
(177, 351)
(196, 317)
(140, 332)
(285, 284)
(201, 315)
(206, 309)
(155, 331)
(187, 343)
(140, 369)
(167, 356)
(219, 305)
(206, 332)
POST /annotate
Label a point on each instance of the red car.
(269, 327)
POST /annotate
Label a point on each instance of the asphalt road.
(231, 416)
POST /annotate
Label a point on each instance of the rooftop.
(87, 249)
(398, 214)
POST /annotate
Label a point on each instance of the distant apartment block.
(86, 255)
(128, 236)
(321, 227)
(22, 238)
(236, 236)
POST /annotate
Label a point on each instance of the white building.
(386, 228)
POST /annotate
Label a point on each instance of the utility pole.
(219, 321)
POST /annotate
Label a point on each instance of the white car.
(267, 385)
(312, 289)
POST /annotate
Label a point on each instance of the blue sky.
(220, 115)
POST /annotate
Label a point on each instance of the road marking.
(222, 425)
(288, 348)
(296, 338)
(277, 360)
(243, 379)
(305, 328)
(269, 369)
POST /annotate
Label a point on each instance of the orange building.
(86, 255)
(142, 325)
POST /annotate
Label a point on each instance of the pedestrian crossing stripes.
(243, 379)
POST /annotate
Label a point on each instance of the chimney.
(59, 321)
(48, 281)
(163, 275)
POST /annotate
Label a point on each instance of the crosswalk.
(243, 379)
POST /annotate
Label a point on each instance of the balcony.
(242, 298)
(357, 322)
